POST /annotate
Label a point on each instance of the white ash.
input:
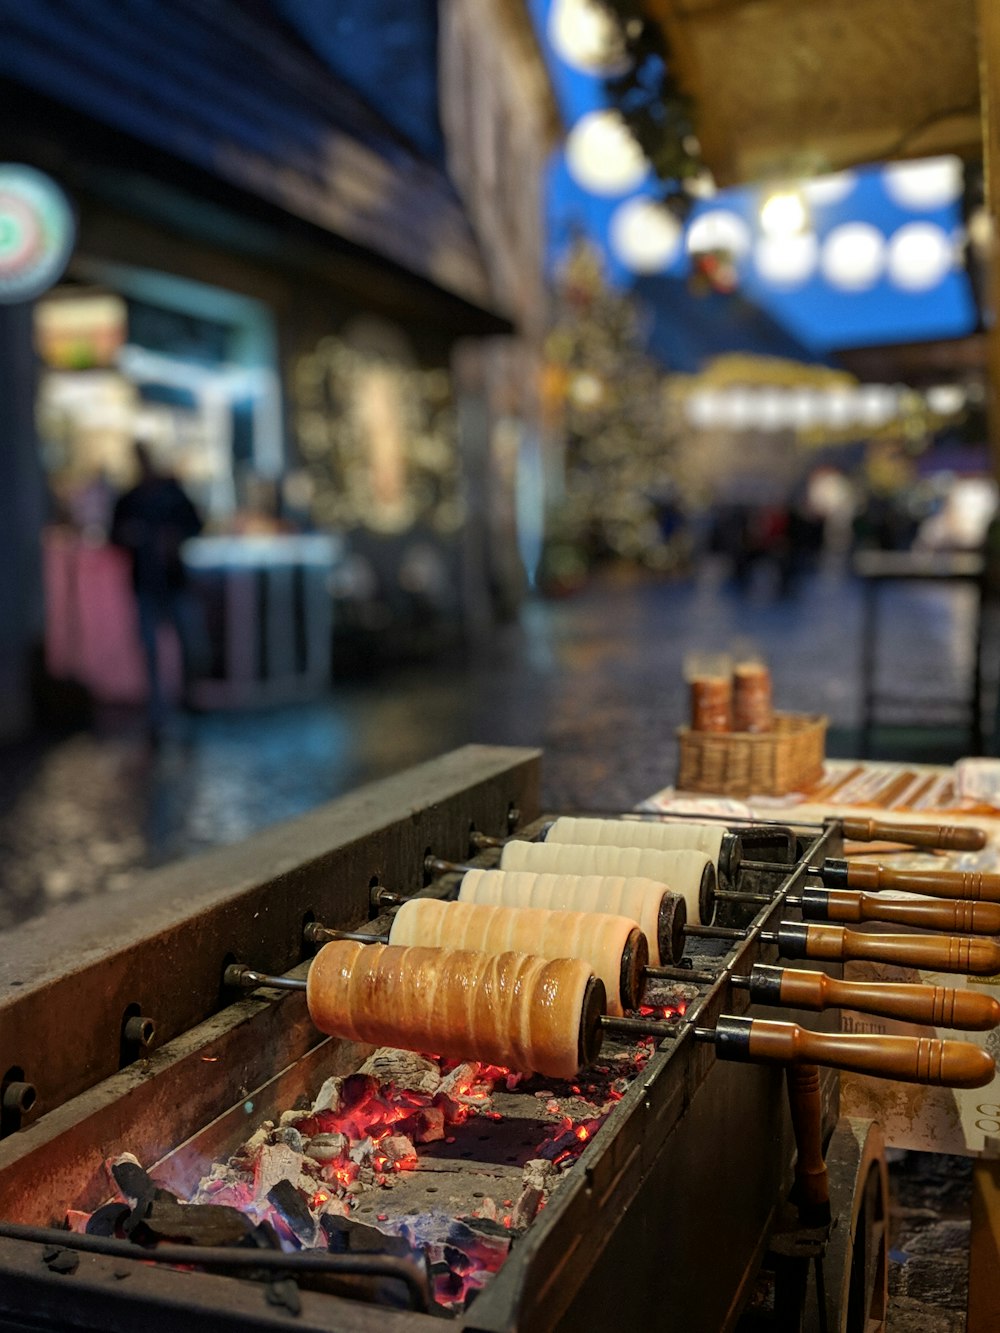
(398, 1148)
(538, 1178)
(539, 1172)
(526, 1207)
(460, 1080)
(293, 1118)
(330, 1096)
(326, 1147)
(407, 1070)
(290, 1137)
(362, 1150)
(275, 1161)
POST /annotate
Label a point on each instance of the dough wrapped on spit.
(530, 1014)
(613, 947)
(689, 873)
(661, 915)
(581, 831)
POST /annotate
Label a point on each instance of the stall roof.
(236, 90)
(800, 87)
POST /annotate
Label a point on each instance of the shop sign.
(37, 230)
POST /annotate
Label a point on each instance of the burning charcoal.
(405, 1069)
(194, 1224)
(357, 1088)
(460, 1080)
(58, 1260)
(290, 1137)
(457, 1260)
(275, 1161)
(398, 1149)
(131, 1179)
(255, 1142)
(221, 1177)
(344, 1235)
(488, 1226)
(284, 1292)
(326, 1147)
(293, 1206)
(362, 1150)
(293, 1118)
(453, 1111)
(261, 1237)
(330, 1096)
(109, 1220)
(539, 1173)
(335, 1208)
(487, 1210)
(526, 1207)
(423, 1126)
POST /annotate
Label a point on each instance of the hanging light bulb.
(784, 213)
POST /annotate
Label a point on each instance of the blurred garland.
(658, 112)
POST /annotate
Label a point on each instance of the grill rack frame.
(596, 1252)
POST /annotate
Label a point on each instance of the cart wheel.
(849, 1289)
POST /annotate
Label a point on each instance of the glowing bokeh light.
(932, 182)
(945, 399)
(586, 36)
(787, 261)
(920, 256)
(823, 190)
(644, 235)
(784, 213)
(876, 404)
(718, 229)
(853, 256)
(603, 156)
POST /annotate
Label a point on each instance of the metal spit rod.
(978, 886)
(946, 837)
(942, 1062)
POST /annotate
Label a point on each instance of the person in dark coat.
(152, 521)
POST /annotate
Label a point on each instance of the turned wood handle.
(811, 1191)
(933, 1006)
(953, 838)
(949, 1064)
(933, 953)
(972, 884)
(969, 918)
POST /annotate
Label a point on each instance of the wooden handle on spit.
(953, 838)
(980, 887)
(948, 1064)
(934, 1006)
(934, 953)
(811, 1191)
(968, 918)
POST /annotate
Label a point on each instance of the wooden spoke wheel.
(849, 1288)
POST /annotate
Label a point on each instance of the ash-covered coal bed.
(412, 1154)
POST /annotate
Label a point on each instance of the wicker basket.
(743, 763)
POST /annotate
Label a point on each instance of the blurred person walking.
(152, 521)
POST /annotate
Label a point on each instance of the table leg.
(984, 1248)
(869, 624)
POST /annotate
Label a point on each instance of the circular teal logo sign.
(36, 233)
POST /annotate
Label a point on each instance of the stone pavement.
(594, 680)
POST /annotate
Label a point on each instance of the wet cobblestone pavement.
(594, 680)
